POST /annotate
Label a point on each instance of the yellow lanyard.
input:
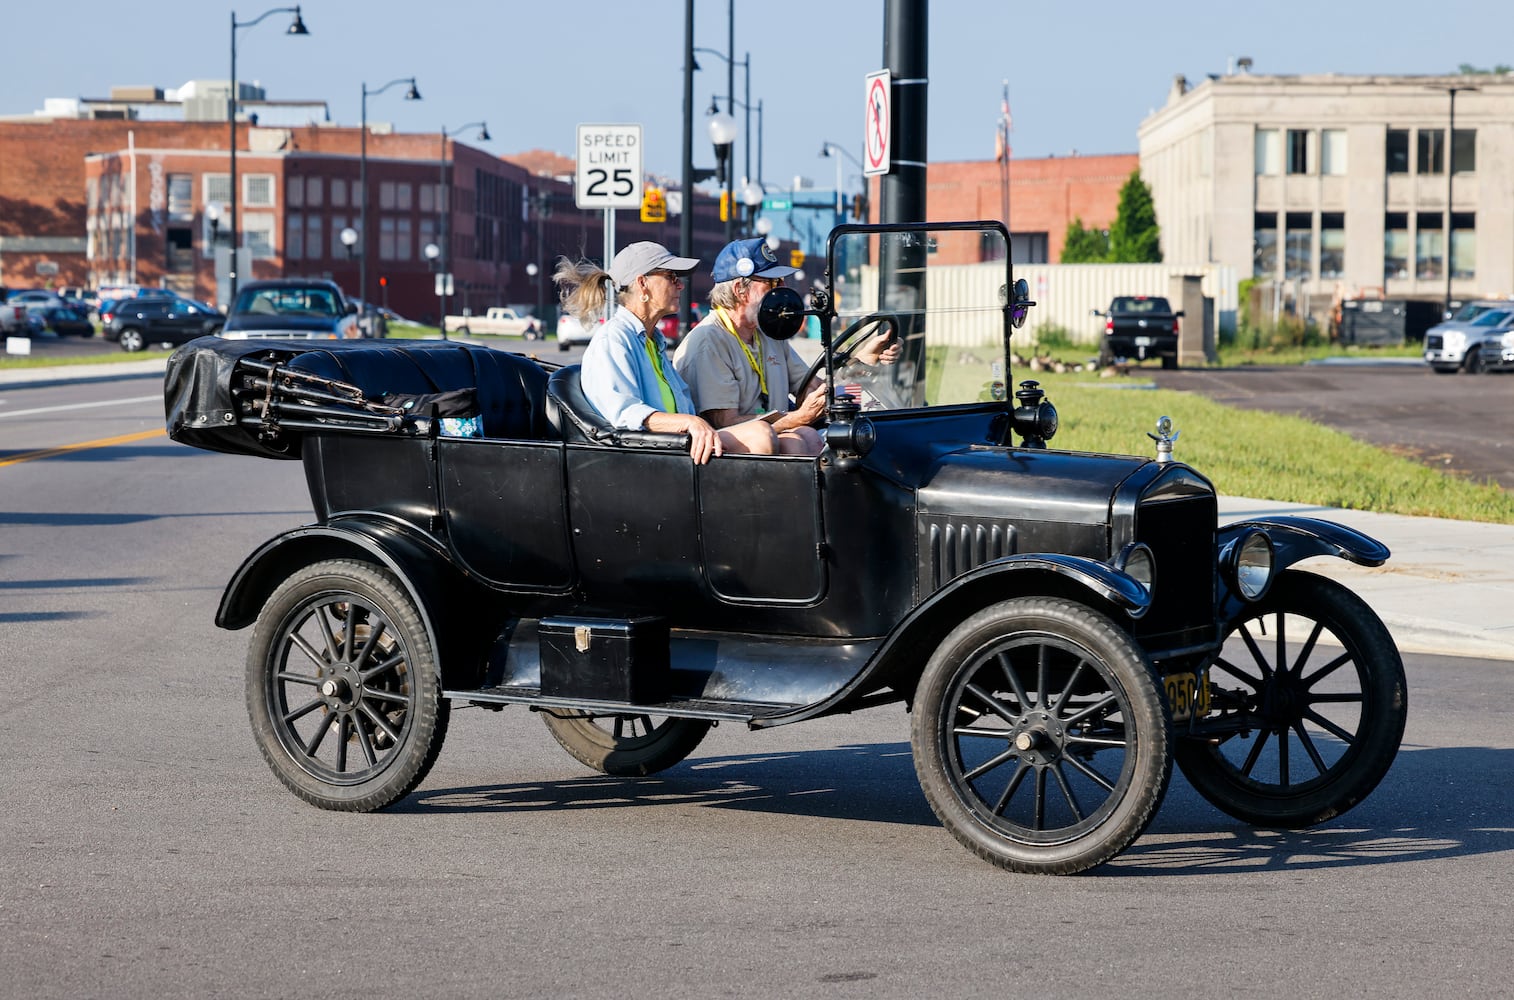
(669, 401)
(762, 377)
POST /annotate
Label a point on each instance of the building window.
(294, 236)
(386, 194)
(1431, 151)
(257, 190)
(338, 192)
(217, 188)
(314, 192)
(1298, 151)
(1264, 249)
(1298, 246)
(294, 192)
(1269, 151)
(402, 196)
(1464, 151)
(1332, 245)
(1395, 245)
(1332, 148)
(402, 238)
(386, 236)
(338, 251)
(1026, 248)
(1463, 244)
(1398, 151)
(427, 197)
(257, 235)
(427, 230)
(313, 235)
(1428, 245)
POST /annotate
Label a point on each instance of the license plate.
(1187, 694)
(1143, 341)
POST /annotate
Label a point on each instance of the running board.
(681, 708)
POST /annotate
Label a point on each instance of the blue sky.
(1081, 75)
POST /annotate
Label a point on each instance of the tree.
(1084, 246)
(1135, 237)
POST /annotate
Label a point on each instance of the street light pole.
(296, 27)
(362, 190)
(831, 149)
(1452, 90)
(444, 209)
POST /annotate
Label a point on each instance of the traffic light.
(383, 281)
(859, 207)
(725, 206)
(654, 207)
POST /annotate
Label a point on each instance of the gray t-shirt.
(720, 377)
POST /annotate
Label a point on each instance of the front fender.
(453, 609)
(898, 662)
(1295, 539)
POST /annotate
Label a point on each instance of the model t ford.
(1062, 626)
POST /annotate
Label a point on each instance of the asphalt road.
(1463, 424)
(146, 850)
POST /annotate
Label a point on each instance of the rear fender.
(455, 612)
(1295, 539)
(901, 658)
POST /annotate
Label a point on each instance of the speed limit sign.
(608, 171)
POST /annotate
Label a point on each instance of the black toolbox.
(604, 659)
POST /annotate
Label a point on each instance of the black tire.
(634, 745)
(1050, 690)
(1106, 357)
(1472, 362)
(342, 687)
(1170, 362)
(214, 331)
(131, 340)
(1288, 748)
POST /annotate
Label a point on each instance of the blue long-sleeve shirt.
(618, 377)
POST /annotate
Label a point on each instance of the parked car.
(1139, 326)
(136, 323)
(291, 309)
(69, 320)
(671, 330)
(1456, 345)
(37, 300)
(570, 332)
(502, 321)
(1062, 627)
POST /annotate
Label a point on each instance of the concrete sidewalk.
(1448, 588)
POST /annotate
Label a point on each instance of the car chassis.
(1062, 626)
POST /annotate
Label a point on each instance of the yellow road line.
(98, 443)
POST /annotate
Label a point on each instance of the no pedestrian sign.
(877, 123)
(608, 167)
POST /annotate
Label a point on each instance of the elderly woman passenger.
(626, 373)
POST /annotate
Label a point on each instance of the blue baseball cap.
(749, 259)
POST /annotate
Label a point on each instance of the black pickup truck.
(1139, 326)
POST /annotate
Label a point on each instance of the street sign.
(47, 267)
(777, 204)
(653, 207)
(608, 168)
(878, 123)
(444, 284)
(796, 258)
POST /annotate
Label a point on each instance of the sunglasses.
(770, 282)
(665, 274)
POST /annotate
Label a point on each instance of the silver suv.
(1456, 344)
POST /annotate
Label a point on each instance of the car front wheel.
(131, 339)
(1040, 739)
(342, 687)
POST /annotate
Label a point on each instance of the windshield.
(939, 295)
(289, 302)
(1470, 311)
(1492, 317)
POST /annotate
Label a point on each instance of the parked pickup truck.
(1140, 327)
(500, 321)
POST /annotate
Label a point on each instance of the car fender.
(1295, 539)
(455, 612)
(900, 659)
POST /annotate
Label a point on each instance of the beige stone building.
(1337, 186)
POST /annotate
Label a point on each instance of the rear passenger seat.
(511, 389)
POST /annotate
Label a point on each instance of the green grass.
(47, 361)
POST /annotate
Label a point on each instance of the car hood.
(987, 481)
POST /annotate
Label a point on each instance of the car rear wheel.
(1040, 739)
(131, 339)
(342, 687)
(1307, 707)
(1169, 361)
(627, 745)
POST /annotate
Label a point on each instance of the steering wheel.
(847, 342)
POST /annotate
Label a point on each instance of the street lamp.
(444, 213)
(833, 150)
(362, 194)
(722, 128)
(348, 237)
(746, 66)
(431, 252)
(1452, 90)
(751, 196)
(296, 27)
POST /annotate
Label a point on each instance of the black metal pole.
(686, 214)
(730, 109)
(444, 191)
(1450, 172)
(362, 216)
(902, 269)
(231, 121)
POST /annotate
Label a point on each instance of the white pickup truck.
(498, 321)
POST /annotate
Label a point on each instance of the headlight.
(1137, 562)
(1250, 565)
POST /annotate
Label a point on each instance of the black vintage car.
(1062, 626)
